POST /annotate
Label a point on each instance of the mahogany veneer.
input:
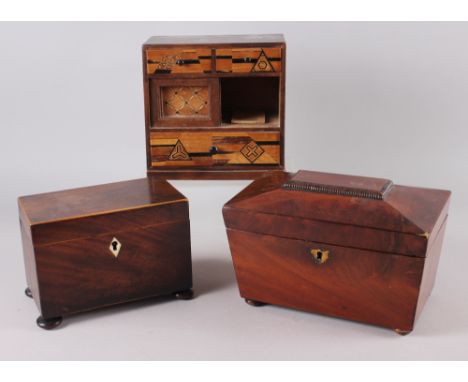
(97, 246)
(351, 247)
(214, 106)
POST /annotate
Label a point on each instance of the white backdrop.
(377, 99)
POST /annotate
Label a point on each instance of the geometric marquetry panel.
(252, 151)
(216, 148)
(244, 60)
(185, 101)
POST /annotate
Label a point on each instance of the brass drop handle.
(320, 256)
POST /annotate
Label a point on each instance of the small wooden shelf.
(273, 122)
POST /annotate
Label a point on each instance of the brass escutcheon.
(115, 247)
(320, 255)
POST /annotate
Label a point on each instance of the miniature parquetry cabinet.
(351, 247)
(214, 106)
(104, 245)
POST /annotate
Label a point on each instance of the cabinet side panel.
(30, 264)
(430, 269)
(354, 284)
(147, 109)
(84, 274)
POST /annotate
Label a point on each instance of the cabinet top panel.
(215, 39)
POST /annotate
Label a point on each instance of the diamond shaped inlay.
(185, 101)
(115, 247)
(252, 151)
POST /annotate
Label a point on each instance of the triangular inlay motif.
(262, 64)
(179, 152)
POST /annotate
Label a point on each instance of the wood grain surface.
(80, 275)
(353, 284)
(70, 239)
(216, 148)
(240, 77)
(355, 257)
(95, 200)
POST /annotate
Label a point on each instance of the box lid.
(354, 211)
(89, 211)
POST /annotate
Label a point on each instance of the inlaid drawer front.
(243, 60)
(218, 148)
(176, 61)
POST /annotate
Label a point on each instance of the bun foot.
(28, 292)
(49, 323)
(184, 294)
(254, 303)
(402, 332)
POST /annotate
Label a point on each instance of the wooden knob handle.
(184, 62)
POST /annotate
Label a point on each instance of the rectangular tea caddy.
(104, 245)
(353, 247)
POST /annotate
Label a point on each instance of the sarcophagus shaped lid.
(355, 211)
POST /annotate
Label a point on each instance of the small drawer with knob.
(216, 149)
(246, 60)
(178, 61)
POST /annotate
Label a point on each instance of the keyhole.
(114, 245)
(320, 256)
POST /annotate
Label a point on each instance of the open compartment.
(250, 101)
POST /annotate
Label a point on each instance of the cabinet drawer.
(176, 61)
(214, 148)
(243, 60)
